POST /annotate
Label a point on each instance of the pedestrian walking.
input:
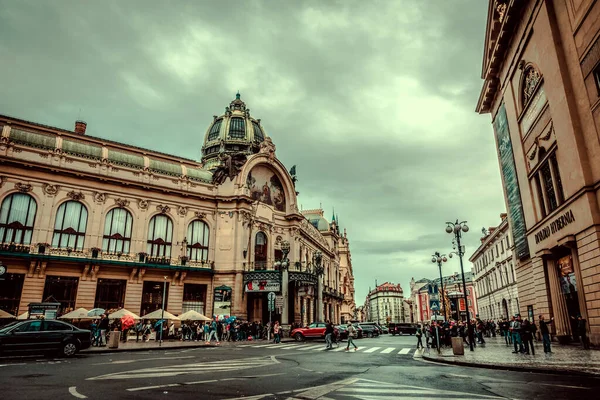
(329, 335)
(103, 327)
(515, 330)
(276, 332)
(419, 335)
(351, 335)
(545, 333)
(213, 333)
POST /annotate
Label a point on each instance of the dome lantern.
(234, 132)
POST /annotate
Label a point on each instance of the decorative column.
(559, 305)
(318, 258)
(285, 263)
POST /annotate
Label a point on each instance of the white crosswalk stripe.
(372, 349)
(322, 347)
(366, 389)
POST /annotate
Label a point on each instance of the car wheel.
(69, 349)
(370, 334)
(299, 337)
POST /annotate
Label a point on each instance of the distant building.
(493, 266)
(386, 304)
(453, 297)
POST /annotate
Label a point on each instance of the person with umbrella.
(127, 321)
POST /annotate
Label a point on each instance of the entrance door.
(568, 286)
(505, 308)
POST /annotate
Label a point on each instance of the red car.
(316, 330)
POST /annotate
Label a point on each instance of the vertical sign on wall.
(511, 183)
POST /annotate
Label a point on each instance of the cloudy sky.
(373, 100)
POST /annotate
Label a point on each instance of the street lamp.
(439, 259)
(457, 228)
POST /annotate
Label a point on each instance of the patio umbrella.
(4, 314)
(158, 314)
(80, 313)
(25, 315)
(121, 313)
(96, 312)
(193, 316)
(127, 321)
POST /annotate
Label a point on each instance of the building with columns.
(386, 304)
(494, 273)
(92, 223)
(541, 88)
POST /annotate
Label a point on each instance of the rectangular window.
(63, 290)
(152, 295)
(10, 292)
(194, 297)
(110, 293)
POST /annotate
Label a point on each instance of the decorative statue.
(230, 166)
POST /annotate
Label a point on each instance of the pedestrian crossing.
(308, 347)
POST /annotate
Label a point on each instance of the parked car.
(359, 331)
(43, 336)
(342, 331)
(316, 330)
(403, 328)
(369, 329)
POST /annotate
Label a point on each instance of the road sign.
(271, 296)
(279, 301)
(434, 305)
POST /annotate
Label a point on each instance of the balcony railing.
(44, 250)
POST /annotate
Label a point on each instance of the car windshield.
(8, 326)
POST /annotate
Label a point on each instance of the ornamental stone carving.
(121, 202)
(200, 215)
(182, 211)
(532, 78)
(268, 147)
(2, 180)
(99, 198)
(23, 187)
(50, 190)
(163, 209)
(73, 195)
(501, 9)
(143, 204)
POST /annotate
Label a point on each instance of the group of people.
(518, 332)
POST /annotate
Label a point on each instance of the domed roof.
(234, 132)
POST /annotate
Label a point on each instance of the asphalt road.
(383, 368)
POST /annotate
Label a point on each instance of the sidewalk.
(132, 345)
(495, 354)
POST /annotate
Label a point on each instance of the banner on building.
(511, 183)
(461, 305)
(264, 285)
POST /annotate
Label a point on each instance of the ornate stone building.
(541, 72)
(494, 270)
(386, 304)
(94, 223)
(452, 296)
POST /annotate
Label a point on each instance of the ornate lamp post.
(439, 259)
(284, 265)
(319, 270)
(457, 228)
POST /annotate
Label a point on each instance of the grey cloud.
(372, 100)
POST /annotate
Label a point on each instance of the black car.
(403, 328)
(369, 330)
(43, 336)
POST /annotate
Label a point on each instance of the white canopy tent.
(158, 314)
(193, 316)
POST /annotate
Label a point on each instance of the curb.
(512, 368)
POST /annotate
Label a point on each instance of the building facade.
(93, 223)
(494, 273)
(386, 304)
(451, 297)
(541, 71)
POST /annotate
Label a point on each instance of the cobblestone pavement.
(495, 353)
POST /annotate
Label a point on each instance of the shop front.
(257, 287)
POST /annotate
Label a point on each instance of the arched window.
(70, 225)
(214, 130)
(260, 251)
(117, 231)
(237, 128)
(160, 236)
(197, 236)
(17, 216)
